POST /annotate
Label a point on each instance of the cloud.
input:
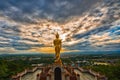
(10, 36)
(7, 50)
(82, 24)
(56, 10)
(99, 38)
(73, 42)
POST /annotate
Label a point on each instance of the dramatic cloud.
(82, 24)
(57, 10)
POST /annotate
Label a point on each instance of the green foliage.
(111, 71)
(9, 68)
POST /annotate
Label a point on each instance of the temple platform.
(54, 72)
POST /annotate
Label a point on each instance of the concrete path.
(85, 76)
(31, 76)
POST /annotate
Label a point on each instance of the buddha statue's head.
(57, 35)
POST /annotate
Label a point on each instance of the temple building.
(57, 70)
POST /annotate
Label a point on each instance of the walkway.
(31, 76)
(85, 76)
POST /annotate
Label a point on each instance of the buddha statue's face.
(57, 35)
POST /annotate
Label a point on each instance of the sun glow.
(49, 50)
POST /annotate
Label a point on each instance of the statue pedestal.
(58, 62)
(58, 72)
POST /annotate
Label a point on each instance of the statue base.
(57, 71)
(58, 62)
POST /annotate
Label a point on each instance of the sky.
(83, 25)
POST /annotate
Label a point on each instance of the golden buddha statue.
(57, 43)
